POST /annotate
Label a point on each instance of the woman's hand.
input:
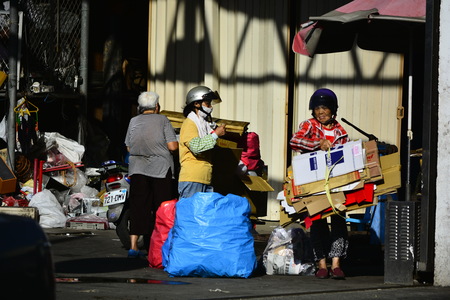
(220, 130)
(325, 144)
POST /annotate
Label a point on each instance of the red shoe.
(337, 273)
(322, 274)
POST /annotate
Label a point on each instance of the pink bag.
(165, 216)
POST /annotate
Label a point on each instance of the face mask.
(207, 110)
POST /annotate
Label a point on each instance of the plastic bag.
(72, 150)
(211, 237)
(165, 216)
(288, 252)
(50, 211)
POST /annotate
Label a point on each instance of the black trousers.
(146, 195)
(329, 241)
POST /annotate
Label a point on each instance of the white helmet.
(201, 93)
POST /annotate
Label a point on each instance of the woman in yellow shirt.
(198, 136)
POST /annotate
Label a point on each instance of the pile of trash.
(57, 185)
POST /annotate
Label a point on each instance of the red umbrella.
(381, 25)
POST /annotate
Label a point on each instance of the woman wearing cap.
(198, 135)
(150, 139)
(321, 133)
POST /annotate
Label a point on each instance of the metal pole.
(84, 69)
(12, 80)
(410, 108)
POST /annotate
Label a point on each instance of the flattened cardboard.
(226, 143)
(391, 168)
(319, 186)
(343, 159)
(372, 159)
(392, 181)
(284, 216)
(256, 183)
(317, 203)
(299, 206)
(177, 118)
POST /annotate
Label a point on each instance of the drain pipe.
(13, 50)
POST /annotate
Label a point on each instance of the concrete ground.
(91, 264)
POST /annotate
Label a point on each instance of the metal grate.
(50, 49)
(400, 246)
(4, 36)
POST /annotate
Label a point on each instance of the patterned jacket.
(310, 132)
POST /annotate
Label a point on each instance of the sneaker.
(322, 274)
(135, 254)
(337, 273)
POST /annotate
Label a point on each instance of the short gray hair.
(147, 101)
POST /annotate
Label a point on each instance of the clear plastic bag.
(288, 252)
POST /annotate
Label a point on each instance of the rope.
(63, 173)
(327, 181)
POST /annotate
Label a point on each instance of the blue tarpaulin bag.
(211, 237)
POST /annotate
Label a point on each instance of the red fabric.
(165, 216)
(359, 196)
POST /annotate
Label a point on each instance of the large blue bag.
(211, 237)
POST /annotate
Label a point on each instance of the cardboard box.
(349, 208)
(391, 169)
(226, 181)
(87, 225)
(373, 160)
(177, 118)
(318, 203)
(256, 183)
(315, 166)
(319, 186)
(349, 187)
(226, 143)
(299, 206)
(8, 181)
(391, 181)
(285, 218)
(30, 212)
(4, 154)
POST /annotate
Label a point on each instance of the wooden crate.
(31, 212)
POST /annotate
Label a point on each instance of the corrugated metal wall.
(236, 47)
(368, 85)
(241, 48)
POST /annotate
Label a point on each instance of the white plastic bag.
(70, 148)
(50, 211)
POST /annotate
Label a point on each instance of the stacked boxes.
(346, 178)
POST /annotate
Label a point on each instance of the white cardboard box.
(343, 159)
(87, 225)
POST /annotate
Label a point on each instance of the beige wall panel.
(239, 49)
(368, 86)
